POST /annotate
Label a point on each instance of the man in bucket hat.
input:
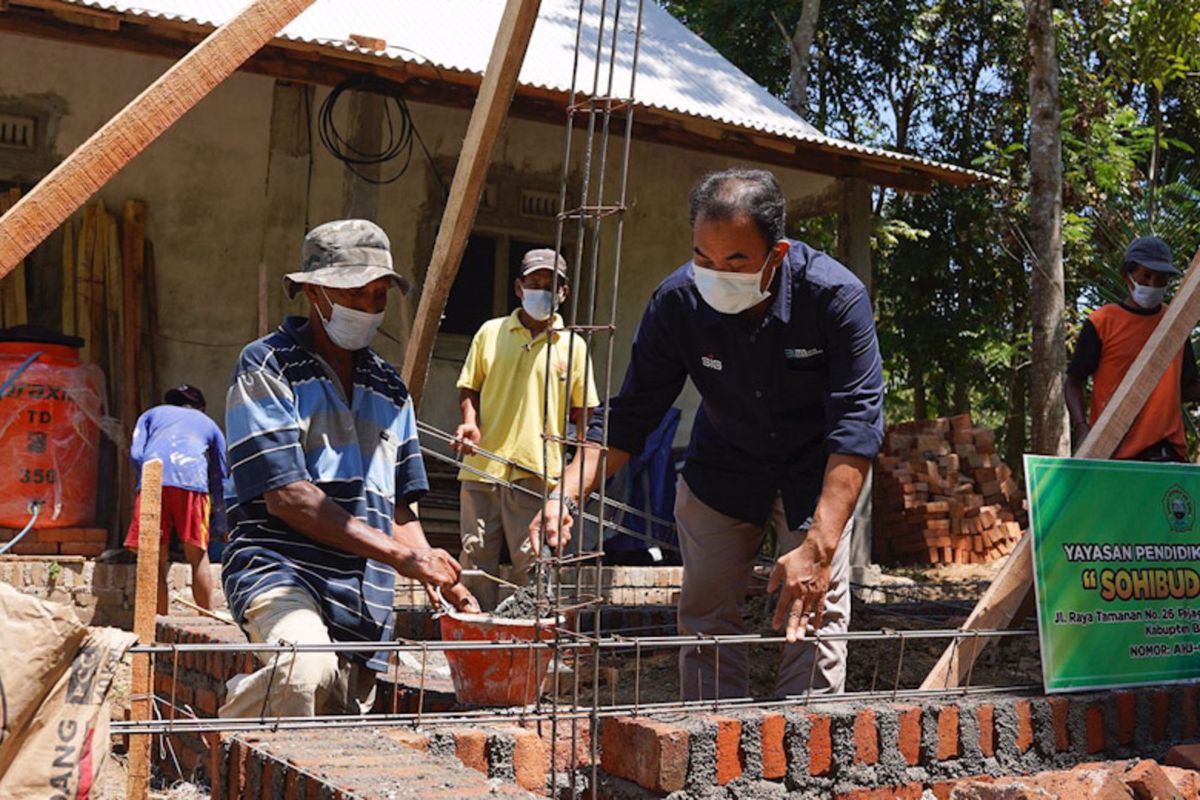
(326, 464)
(1109, 343)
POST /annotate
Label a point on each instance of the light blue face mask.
(538, 303)
(349, 328)
(1148, 296)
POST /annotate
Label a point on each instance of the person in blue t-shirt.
(192, 450)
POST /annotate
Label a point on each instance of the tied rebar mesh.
(598, 219)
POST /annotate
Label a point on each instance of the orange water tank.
(49, 432)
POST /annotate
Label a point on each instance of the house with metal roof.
(233, 186)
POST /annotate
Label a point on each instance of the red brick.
(820, 745)
(1160, 715)
(866, 738)
(944, 790)
(1060, 708)
(1184, 756)
(86, 549)
(530, 760)
(80, 535)
(985, 715)
(774, 756)
(471, 748)
(1187, 696)
(1094, 721)
(910, 734)
(947, 734)
(1126, 717)
(729, 749)
(236, 768)
(213, 741)
(1024, 725)
(1149, 782)
(25, 548)
(206, 701)
(652, 754)
(1077, 784)
(1187, 782)
(406, 738)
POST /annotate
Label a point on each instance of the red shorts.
(183, 511)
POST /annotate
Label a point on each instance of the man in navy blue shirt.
(780, 341)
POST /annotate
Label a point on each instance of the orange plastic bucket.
(496, 677)
(49, 436)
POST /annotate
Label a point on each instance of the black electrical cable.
(401, 132)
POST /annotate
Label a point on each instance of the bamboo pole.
(145, 610)
(134, 127)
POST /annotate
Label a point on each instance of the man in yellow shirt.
(503, 398)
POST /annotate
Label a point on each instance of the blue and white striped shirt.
(286, 421)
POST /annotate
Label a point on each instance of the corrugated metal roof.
(677, 70)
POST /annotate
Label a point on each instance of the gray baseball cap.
(345, 254)
(1151, 252)
(543, 258)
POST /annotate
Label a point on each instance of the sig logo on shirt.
(711, 361)
(801, 352)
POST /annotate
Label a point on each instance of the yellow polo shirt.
(507, 366)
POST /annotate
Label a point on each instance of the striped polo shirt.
(287, 420)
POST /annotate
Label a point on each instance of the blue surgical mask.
(1148, 296)
(538, 303)
(349, 328)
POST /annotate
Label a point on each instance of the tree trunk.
(1049, 355)
(802, 41)
(920, 402)
(800, 45)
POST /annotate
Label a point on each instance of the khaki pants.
(718, 559)
(296, 684)
(492, 513)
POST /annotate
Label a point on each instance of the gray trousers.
(491, 514)
(718, 560)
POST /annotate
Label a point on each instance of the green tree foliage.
(948, 80)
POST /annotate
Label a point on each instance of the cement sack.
(63, 741)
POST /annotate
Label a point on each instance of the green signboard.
(1116, 557)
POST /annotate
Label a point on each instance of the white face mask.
(538, 303)
(1147, 296)
(730, 292)
(349, 328)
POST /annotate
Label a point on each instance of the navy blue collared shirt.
(777, 398)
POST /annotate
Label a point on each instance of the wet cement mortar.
(521, 604)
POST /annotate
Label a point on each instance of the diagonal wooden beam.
(134, 127)
(491, 107)
(1012, 585)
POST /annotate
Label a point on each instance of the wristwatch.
(569, 502)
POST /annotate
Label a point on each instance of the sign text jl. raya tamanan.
(1116, 554)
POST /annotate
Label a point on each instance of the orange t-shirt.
(1122, 335)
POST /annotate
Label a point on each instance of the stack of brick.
(943, 496)
(89, 542)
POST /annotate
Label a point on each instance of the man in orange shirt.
(1111, 339)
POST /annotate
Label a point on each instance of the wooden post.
(133, 256)
(495, 95)
(145, 609)
(134, 127)
(1012, 585)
